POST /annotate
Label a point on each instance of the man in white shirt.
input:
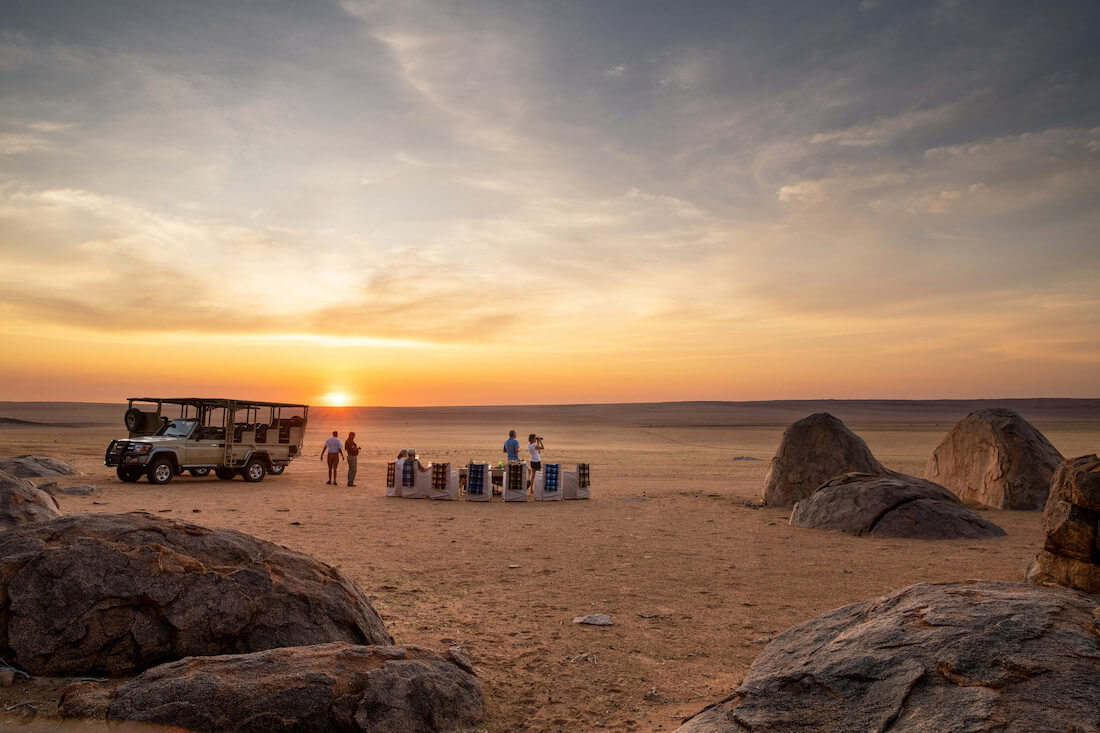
(334, 449)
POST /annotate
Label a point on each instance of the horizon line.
(618, 404)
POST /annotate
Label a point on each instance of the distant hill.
(654, 414)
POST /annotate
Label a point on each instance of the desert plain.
(673, 545)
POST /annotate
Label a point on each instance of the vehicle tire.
(133, 419)
(276, 469)
(199, 472)
(254, 471)
(129, 474)
(160, 471)
(225, 474)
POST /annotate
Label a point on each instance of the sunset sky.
(541, 202)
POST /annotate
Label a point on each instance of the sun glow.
(336, 398)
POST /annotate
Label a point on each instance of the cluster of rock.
(324, 687)
(835, 482)
(890, 506)
(997, 459)
(812, 451)
(21, 502)
(993, 458)
(1071, 542)
(954, 656)
(82, 490)
(228, 631)
(36, 466)
(118, 593)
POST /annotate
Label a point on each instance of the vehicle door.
(207, 444)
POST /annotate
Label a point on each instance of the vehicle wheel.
(129, 474)
(254, 471)
(276, 469)
(224, 474)
(160, 471)
(133, 419)
(199, 472)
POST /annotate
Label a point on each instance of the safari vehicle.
(197, 434)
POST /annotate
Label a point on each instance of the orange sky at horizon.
(41, 369)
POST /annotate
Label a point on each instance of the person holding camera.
(534, 446)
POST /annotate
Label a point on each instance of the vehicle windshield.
(179, 428)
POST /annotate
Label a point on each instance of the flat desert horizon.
(671, 545)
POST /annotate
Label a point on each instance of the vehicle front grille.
(115, 452)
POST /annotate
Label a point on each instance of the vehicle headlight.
(140, 448)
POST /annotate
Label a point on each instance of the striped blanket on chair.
(515, 474)
(391, 475)
(476, 482)
(441, 473)
(551, 475)
(408, 474)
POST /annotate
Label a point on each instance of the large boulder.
(1071, 523)
(36, 467)
(972, 656)
(812, 451)
(890, 506)
(117, 593)
(312, 688)
(21, 502)
(995, 458)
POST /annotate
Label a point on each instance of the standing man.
(335, 451)
(353, 458)
(511, 446)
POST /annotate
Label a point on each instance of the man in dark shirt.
(352, 449)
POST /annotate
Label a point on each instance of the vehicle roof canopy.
(212, 401)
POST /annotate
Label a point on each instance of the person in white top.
(334, 449)
(534, 445)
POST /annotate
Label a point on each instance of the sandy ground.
(694, 577)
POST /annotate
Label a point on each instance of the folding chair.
(392, 489)
(515, 481)
(444, 483)
(548, 483)
(479, 486)
(412, 485)
(577, 484)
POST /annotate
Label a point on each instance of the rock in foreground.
(1071, 546)
(995, 458)
(812, 451)
(21, 502)
(312, 688)
(955, 656)
(117, 593)
(890, 506)
(84, 490)
(36, 466)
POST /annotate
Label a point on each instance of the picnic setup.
(482, 481)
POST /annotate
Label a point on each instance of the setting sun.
(336, 399)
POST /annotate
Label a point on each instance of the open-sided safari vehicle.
(197, 434)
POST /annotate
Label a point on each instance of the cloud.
(882, 130)
(14, 143)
